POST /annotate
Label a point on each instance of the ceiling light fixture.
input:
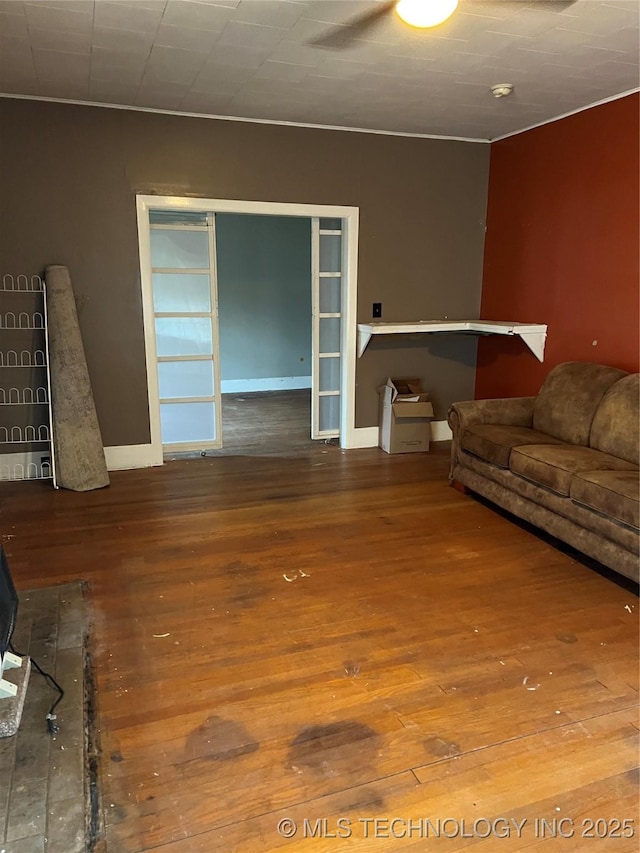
(501, 90)
(425, 13)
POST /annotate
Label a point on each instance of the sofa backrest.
(615, 428)
(569, 397)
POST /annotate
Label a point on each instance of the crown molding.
(243, 119)
(566, 115)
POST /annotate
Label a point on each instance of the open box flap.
(410, 387)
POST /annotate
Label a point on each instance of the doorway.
(178, 260)
(265, 308)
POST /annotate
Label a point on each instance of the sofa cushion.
(569, 397)
(616, 423)
(615, 494)
(493, 442)
(553, 465)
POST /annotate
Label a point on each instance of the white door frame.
(350, 217)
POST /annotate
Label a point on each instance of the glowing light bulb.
(426, 13)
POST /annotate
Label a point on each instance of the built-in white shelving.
(533, 334)
(26, 437)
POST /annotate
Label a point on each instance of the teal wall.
(264, 296)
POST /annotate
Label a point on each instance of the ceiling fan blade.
(552, 5)
(342, 34)
(540, 5)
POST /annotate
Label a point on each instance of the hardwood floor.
(264, 423)
(341, 637)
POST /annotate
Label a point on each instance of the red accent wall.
(562, 246)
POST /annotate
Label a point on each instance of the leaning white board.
(533, 334)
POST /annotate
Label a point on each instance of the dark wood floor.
(333, 634)
(266, 423)
(263, 423)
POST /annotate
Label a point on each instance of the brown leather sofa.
(566, 460)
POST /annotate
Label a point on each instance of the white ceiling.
(252, 59)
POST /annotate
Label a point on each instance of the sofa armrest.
(515, 411)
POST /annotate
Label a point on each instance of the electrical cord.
(52, 726)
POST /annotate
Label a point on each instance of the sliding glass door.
(327, 274)
(185, 308)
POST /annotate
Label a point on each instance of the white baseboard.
(117, 458)
(368, 436)
(132, 456)
(145, 455)
(277, 383)
(362, 437)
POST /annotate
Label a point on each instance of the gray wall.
(68, 179)
(264, 296)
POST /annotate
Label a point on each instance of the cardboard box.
(405, 413)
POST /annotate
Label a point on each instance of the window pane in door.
(331, 224)
(181, 292)
(329, 295)
(329, 379)
(187, 422)
(329, 334)
(330, 252)
(185, 379)
(177, 217)
(179, 249)
(183, 336)
(329, 414)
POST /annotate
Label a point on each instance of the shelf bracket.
(363, 341)
(535, 341)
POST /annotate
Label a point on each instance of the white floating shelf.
(533, 334)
